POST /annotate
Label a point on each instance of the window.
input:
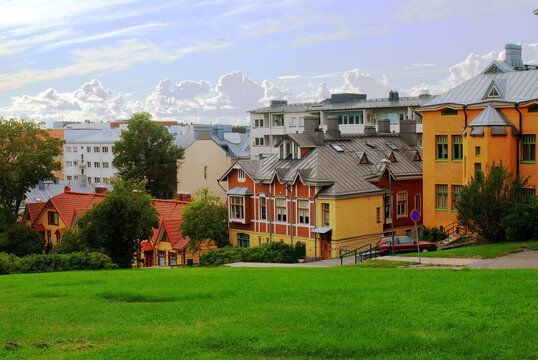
(96, 149)
(477, 170)
(441, 147)
(457, 148)
(477, 150)
(53, 218)
(81, 171)
(278, 119)
(281, 210)
(88, 149)
(243, 240)
(325, 214)
(446, 112)
(112, 148)
(89, 163)
(301, 121)
(105, 165)
(293, 122)
(205, 172)
(69, 177)
(68, 149)
(304, 211)
(378, 214)
(76, 177)
(172, 259)
(236, 208)
(533, 108)
(441, 199)
(105, 149)
(68, 163)
(419, 139)
(258, 141)
(241, 175)
(418, 202)
(75, 149)
(258, 123)
(89, 180)
(96, 164)
(401, 204)
(529, 191)
(388, 209)
(528, 148)
(75, 163)
(456, 195)
(263, 208)
(97, 179)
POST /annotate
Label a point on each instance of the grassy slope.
(481, 251)
(231, 313)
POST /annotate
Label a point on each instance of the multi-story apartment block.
(88, 155)
(488, 120)
(354, 111)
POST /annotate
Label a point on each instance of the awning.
(322, 230)
(39, 227)
(146, 246)
(239, 191)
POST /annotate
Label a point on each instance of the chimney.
(369, 130)
(41, 185)
(184, 197)
(383, 126)
(513, 55)
(408, 132)
(311, 128)
(67, 188)
(332, 126)
(394, 96)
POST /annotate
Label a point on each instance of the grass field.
(271, 313)
(484, 251)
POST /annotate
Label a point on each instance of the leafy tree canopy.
(488, 199)
(21, 240)
(145, 152)
(205, 221)
(28, 154)
(116, 225)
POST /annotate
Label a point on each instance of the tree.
(21, 240)
(205, 221)
(145, 152)
(28, 154)
(522, 219)
(487, 200)
(116, 225)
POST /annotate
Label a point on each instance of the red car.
(403, 244)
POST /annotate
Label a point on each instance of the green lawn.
(271, 313)
(481, 251)
(377, 263)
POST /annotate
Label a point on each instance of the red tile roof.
(67, 203)
(39, 227)
(34, 209)
(146, 246)
(174, 234)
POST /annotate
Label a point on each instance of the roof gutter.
(518, 140)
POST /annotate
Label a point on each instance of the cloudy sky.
(212, 60)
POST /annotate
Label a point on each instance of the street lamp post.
(387, 163)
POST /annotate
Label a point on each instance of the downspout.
(315, 223)
(465, 113)
(291, 217)
(227, 211)
(270, 212)
(518, 140)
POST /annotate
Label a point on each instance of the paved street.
(522, 260)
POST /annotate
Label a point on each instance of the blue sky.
(212, 60)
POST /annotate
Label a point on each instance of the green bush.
(10, 264)
(521, 220)
(300, 250)
(433, 234)
(21, 240)
(275, 252)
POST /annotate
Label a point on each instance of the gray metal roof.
(341, 172)
(490, 117)
(236, 145)
(300, 139)
(239, 191)
(350, 105)
(513, 86)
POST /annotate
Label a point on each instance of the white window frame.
(281, 209)
(241, 176)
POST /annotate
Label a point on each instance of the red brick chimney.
(67, 188)
(184, 197)
(100, 190)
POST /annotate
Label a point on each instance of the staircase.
(458, 236)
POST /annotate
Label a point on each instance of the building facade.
(354, 111)
(326, 189)
(488, 120)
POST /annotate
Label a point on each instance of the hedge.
(11, 264)
(276, 252)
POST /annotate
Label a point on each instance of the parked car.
(403, 244)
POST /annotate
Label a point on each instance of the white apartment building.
(88, 155)
(354, 111)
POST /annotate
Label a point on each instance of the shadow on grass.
(145, 298)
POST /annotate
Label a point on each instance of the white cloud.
(357, 82)
(289, 77)
(15, 46)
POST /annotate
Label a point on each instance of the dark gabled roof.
(513, 86)
(341, 172)
(300, 139)
(236, 145)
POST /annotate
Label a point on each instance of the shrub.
(300, 250)
(521, 220)
(21, 240)
(433, 234)
(10, 264)
(275, 252)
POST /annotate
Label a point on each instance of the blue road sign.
(415, 215)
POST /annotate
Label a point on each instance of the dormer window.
(241, 175)
(285, 149)
(493, 93)
(278, 119)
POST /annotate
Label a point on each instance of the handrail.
(369, 245)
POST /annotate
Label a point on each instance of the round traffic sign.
(415, 215)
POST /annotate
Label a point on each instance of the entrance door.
(325, 243)
(149, 258)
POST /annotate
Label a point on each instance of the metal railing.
(360, 256)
